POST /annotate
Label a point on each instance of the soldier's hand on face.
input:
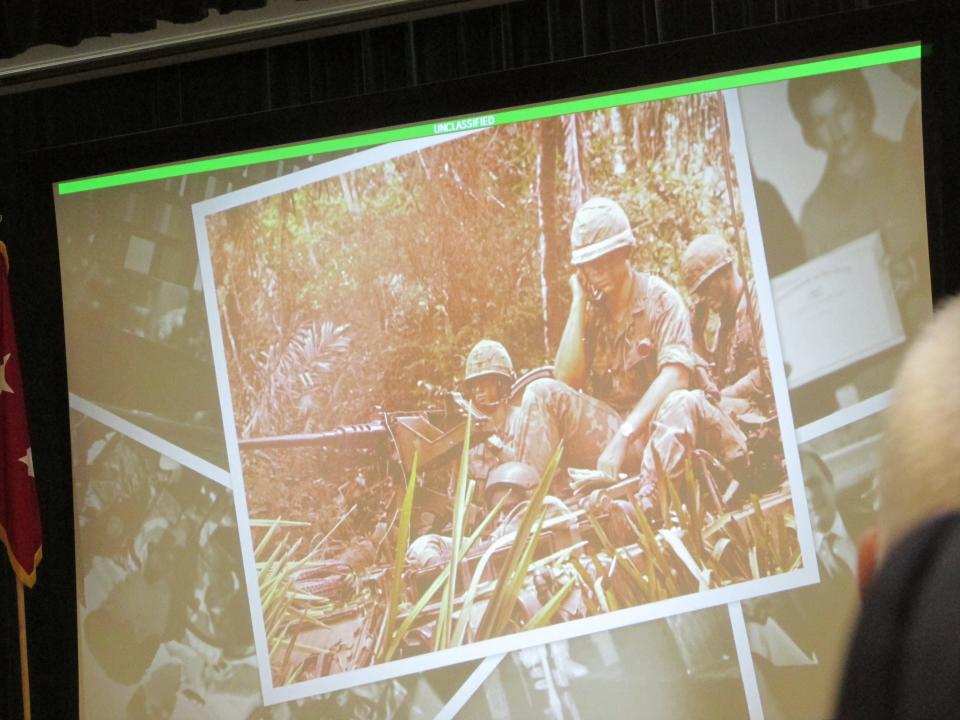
(612, 456)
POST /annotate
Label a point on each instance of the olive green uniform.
(623, 361)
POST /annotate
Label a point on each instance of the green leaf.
(494, 610)
(400, 550)
(545, 614)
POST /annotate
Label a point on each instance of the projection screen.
(543, 410)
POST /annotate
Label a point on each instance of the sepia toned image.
(164, 625)
(130, 280)
(498, 382)
(799, 638)
(675, 668)
(838, 170)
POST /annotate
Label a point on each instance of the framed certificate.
(835, 310)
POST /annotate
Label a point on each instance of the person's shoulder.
(664, 308)
(659, 290)
(891, 174)
(883, 147)
(908, 660)
(818, 219)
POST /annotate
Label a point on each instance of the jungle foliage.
(368, 288)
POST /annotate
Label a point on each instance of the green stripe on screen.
(506, 117)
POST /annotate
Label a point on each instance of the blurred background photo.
(838, 172)
(798, 638)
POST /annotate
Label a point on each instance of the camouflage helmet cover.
(488, 357)
(703, 257)
(600, 227)
(512, 475)
(428, 550)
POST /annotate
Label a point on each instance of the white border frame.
(806, 575)
(469, 688)
(748, 671)
(146, 438)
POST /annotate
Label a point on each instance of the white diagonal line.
(154, 442)
(843, 417)
(748, 674)
(469, 687)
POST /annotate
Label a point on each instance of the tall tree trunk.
(349, 196)
(573, 157)
(619, 120)
(638, 124)
(550, 245)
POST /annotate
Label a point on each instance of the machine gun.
(392, 439)
(434, 434)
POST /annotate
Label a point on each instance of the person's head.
(488, 374)
(835, 111)
(821, 494)
(920, 470)
(513, 482)
(600, 242)
(903, 657)
(709, 272)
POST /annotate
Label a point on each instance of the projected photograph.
(163, 624)
(675, 668)
(838, 161)
(130, 283)
(486, 389)
(799, 638)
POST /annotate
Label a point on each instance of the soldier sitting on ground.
(488, 378)
(487, 383)
(622, 369)
(739, 378)
(737, 355)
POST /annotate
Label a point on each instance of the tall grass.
(689, 545)
(287, 610)
(460, 504)
(399, 555)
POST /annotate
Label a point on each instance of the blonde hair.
(920, 472)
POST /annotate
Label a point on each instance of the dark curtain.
(26, 23)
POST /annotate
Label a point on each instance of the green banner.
(506, 117)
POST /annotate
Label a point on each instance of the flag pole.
(26, 512)
(24, 667)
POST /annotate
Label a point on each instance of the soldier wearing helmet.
(710, 275)
(488, 378)
(627, 345)
(488, 375)
(512, 482)
(701, 267)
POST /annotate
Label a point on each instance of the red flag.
(19, 510)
